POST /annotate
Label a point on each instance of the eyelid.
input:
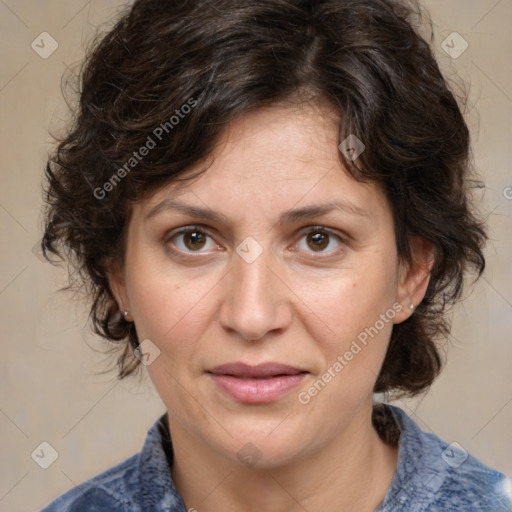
(185, 229)
(324, 229)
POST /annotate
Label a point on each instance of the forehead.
(273, 157)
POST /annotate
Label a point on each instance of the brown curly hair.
(224, 58)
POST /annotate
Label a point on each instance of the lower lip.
(257, 391)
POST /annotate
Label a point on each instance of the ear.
(414, 278)
(117, 285)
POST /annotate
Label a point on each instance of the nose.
(256, 301)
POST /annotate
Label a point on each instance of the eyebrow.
(290, 216)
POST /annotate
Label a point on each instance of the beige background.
(50, 387)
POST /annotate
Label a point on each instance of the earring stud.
(125, 313)
(412, 306)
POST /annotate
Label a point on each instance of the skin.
(296, 304)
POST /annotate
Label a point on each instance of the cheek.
(349, 304)
(169, 307)
(173, 313)
(352, 333)
(355, 320)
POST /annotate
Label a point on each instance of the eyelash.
(310, 230)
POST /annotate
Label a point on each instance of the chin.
(269, 446)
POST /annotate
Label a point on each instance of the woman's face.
(287, 260)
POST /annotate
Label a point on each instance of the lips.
(260, 371)
(260, 384)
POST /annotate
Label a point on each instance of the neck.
(352, 473)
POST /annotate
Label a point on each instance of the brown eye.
(194, 240)
(318, 241)
(321, 241)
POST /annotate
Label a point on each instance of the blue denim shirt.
(431, 476)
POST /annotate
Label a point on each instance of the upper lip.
(263, 370)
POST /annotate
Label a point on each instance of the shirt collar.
(157, 489)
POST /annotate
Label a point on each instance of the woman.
(267, 202)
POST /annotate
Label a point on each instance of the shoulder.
(110, 490)
(474, 487)
(436, 476)
(142, 483)
(464, 483)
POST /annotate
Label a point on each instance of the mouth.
(260, 384)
